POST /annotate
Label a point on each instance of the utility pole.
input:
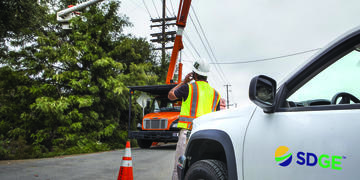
(163, 37)
(227, 95)
(163, 32)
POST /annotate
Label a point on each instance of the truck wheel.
(144, 143)
(207, 170)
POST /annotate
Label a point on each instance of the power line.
(214, 79)
(192, 45)
(217, 80)
(198, 54)
(186, 36)
(212, 58)
(190, 52)
(199, 36)
(188, 63)
(206, 49)
(172, 7)
(155, 8)
(211, 50)
(173, 14)
(202, 30)
(147, 9)
(268, 59)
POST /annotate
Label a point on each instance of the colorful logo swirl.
(282, 156)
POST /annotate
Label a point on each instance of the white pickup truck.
(306, 128)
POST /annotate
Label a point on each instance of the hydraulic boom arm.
(65, 15)
(183, 13)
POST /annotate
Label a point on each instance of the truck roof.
(154, 89)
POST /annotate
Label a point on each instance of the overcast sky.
(246, 30)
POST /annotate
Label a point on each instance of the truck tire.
(207, 170)
(145, 144)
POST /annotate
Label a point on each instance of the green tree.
(66, 92)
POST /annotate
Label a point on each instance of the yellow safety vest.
(202, 99)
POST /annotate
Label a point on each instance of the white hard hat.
(201, 67)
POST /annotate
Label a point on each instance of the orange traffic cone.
(126, 170)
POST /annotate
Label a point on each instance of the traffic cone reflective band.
(126, 170)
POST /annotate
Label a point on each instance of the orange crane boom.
(183, 13)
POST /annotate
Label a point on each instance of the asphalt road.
(155, 163)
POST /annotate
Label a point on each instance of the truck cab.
(159, 123)
(160, 114)
(306, 127)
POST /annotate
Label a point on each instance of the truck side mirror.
(262, 92)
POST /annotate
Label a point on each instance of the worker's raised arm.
(171, 94)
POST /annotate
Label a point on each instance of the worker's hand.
(189, 77)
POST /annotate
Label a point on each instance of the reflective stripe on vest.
(184, 125)
(215, 101)
(194, 99)
(199, 92)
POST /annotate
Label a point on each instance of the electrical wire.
(186, 36)
(189, 51)
(216, 79)
(221, 74)
(199, 35)
(194, 48)
(168, 10)
(147, 9)
(155, 8)
(192, 45)
(212, 58)
(202, 30)
(172, 7)
(268, 59)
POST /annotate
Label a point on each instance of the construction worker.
(198, 98)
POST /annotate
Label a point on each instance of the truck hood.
(231, 121)
(162, 115)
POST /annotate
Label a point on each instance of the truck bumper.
(156, 136)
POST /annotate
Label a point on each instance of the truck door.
(315, 131)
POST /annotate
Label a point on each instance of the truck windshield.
(165, 105)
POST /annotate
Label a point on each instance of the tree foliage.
(66, 92)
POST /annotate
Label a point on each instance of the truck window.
(165, 105)
(341, 76)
